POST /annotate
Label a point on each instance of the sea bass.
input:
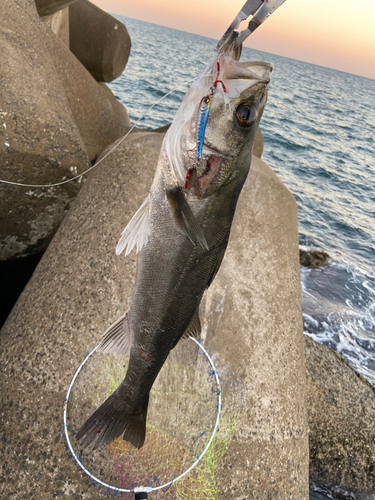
(181, 232)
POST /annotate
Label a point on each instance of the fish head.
(236, 94)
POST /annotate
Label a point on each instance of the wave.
(339, 311)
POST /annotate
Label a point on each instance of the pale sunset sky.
(339, 34)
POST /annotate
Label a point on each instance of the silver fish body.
(181, 235)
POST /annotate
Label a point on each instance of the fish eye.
(246, 114)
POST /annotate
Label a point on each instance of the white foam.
(310, 319)
(344, 304)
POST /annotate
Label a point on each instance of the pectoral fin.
(136, 232)
(184, 217)
(118, 337)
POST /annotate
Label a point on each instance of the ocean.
(319, 131)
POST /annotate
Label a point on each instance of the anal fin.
(118, 338)
(184, 217)
(194, 329)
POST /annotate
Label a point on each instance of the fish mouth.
(256, 71)
(209, 169)
(242, 76)
(261, 70)
(202, 175)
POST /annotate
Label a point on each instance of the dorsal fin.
(184, 217)
(136, 232)
(118, 337)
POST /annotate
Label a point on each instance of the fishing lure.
(204, 111)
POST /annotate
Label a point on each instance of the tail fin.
(109, 421)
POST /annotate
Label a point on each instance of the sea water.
(319, 132)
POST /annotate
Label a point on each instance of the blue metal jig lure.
(204, 111)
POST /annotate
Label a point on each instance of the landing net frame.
(140, 489)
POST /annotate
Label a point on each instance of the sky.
(339, 34)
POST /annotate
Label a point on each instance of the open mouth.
(210, 171)
(202, 175)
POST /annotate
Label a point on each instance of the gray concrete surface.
(251, 316)
(258, 144)
(48, 7)
(59, 24)
(98, 40)
(100, 118)
(341, 409)
(40, 142)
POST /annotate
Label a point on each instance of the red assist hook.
(217, 79)
(204, 109)
(187, 180)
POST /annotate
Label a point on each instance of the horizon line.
(246, 47)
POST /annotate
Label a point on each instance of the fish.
(181, 232)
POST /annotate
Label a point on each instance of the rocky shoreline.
(306, 413)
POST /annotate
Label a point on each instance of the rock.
(99, 41)
(80, 287)
(59, 24)
(100, 118)
(49, 7)
(341, 410)
(40, 142)
(313, 258)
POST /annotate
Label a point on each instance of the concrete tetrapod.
(48, 7)
(59, 24)
(100, 118)
(341, 409)
(98, 40)
(40, 142)
(252, 320)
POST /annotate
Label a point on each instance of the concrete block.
(59, 24)
(98, 40)
(39, 140)
(341, 408)
(251, 318)
(49, 7)
(258, 144)
(100, 119)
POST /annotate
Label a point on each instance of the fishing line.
(109, 152)
(190, 361)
